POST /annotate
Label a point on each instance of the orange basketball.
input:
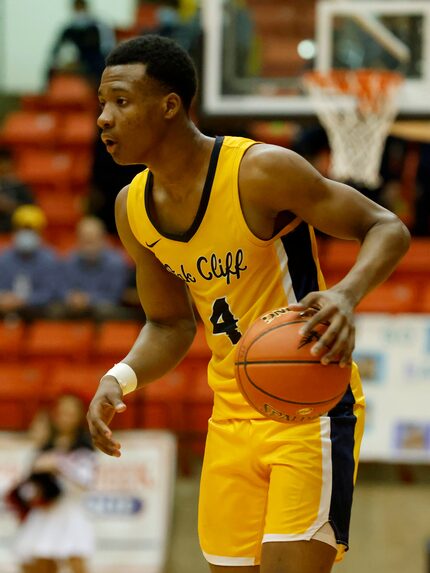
(278, 375)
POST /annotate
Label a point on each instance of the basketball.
(278, 375)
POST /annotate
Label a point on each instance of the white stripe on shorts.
(228, 561)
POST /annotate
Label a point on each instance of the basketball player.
(230, 222)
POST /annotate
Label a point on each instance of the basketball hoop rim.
(343, 79)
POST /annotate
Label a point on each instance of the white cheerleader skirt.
(57, 532)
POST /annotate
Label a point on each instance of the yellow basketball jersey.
(233, 276)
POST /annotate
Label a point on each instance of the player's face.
(131, 117)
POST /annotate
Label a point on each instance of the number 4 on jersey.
(223, 320)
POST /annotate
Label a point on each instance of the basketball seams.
(257, 338)
(301, 403)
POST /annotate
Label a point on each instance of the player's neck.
(183, 156)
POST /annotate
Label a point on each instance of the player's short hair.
(165, 60)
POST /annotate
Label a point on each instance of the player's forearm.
(159, 348)
(383, 246)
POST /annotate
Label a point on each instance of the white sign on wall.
(393, 354)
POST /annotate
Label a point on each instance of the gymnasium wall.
(23, 64)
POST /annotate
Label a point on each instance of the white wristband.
(125, 376)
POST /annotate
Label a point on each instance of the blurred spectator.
(13, 192)
(181, 23)
(55, 530)
(29, 270)
(82, 45)
(95, 275)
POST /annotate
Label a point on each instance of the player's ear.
(171, 105)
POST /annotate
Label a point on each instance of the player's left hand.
(334, 307)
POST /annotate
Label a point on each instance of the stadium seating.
(415, 264)
(11, 339)
(114, 340)
(22, 388)
(77, 129)
(45, 169)
(337, 257)
(70, 92)
(423, 300)
(59, 341)
(22, 129)
(392, 297)
(161, 403)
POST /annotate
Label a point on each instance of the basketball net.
(357, 109)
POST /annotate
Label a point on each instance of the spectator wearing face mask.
(29, 270)
(95, 274)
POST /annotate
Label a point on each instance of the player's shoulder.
(122, 197)
(264, 157)
(265, 164)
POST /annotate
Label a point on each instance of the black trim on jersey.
(301, 264)
(204, 201)
(342, 434)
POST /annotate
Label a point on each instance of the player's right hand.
(106, 403)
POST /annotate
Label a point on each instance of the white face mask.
(26, 241)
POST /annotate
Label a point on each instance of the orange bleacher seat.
(63, 240)
(61, 210)
(5, 241)
(115, 339)
(11, 339)
(34, 102)
(78, 128)
(46, 168)
(161, 403)
(30, 128)
(81, 175)
(60, 341)
(21, 392)
(147, 15)
(423, 300)
(391, 297)
(337, 256)
(82, 380)
(70, 91)
(416, 263)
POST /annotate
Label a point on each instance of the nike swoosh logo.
(150, 245)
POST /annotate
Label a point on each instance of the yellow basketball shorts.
(266, 481)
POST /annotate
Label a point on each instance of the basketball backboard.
(379, 34)
(256, 52)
